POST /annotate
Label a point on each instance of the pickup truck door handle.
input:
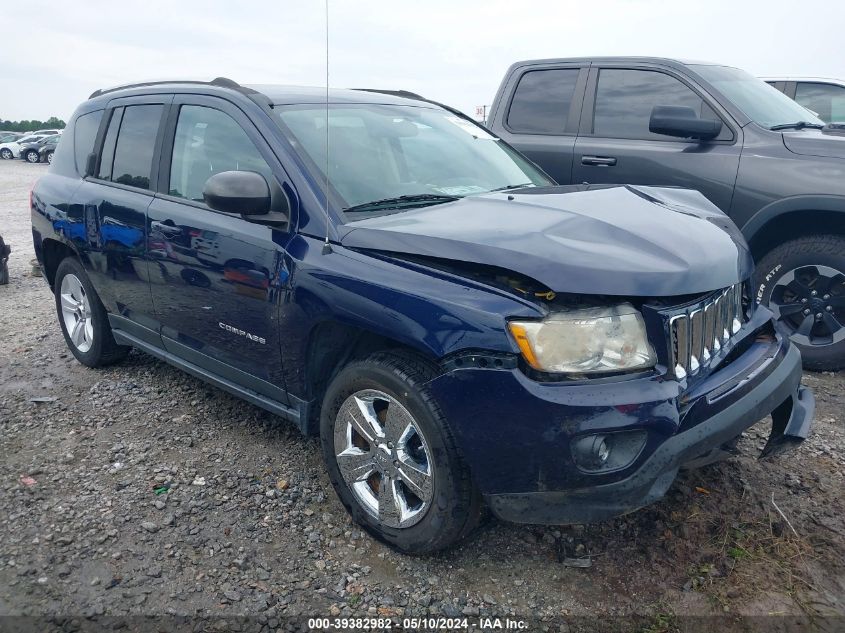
(598, 161)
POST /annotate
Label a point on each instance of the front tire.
(803, 283)
(83, 318)
(31, 156)
(392, 457)
(49, 158)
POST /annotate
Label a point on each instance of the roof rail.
(222, 82)
(406, 94)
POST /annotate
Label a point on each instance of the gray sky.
(56, 53)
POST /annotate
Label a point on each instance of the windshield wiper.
(798, 125)
(506, 187)
(401, 201)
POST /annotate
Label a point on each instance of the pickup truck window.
(381, 152)
(84, 135)
(207, 142)
(542, 100)
(826, 100)
(760, 102)
(625, 99)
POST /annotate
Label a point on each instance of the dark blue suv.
(383, 272)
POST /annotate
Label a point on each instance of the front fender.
(779, 208)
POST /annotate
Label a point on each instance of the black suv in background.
(767, 162)
(43, 148)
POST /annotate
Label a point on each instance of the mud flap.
(791, 422)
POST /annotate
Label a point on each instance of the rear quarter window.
(84, 135)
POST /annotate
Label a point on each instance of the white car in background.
(12, 148)
(825, 97)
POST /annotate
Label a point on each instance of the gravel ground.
(141, 490)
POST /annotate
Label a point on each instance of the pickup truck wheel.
(393, 459)
(83, 318)
(803, 283)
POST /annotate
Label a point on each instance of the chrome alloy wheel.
(76, 312)
(384, 458)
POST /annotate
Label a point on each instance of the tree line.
(30, 126)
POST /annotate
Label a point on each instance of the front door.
(216, 279)
(615, 145)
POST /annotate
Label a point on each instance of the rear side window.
(542, 100)
(107, 156)
(625, 99)
(84, 135)
(209, 141)
(129, 160)
(826, 100)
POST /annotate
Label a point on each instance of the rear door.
(114, 200)
(539, 115)
(217, 280)
(615, 145)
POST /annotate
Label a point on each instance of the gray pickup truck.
(770, 164)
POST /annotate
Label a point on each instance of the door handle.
(598, 161)
(167, 227)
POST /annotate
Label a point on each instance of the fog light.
(607, 452)
(591, 452)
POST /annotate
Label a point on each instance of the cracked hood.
(613, 240)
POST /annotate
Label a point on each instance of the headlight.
(590, 340)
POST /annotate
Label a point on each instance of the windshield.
(763, 104)
(422, 155)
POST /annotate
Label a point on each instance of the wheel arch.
(331, 346)
(52, 253)
(794, 217)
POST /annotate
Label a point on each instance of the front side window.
(133, 153)
(625, 99)
(826, 100)
(208, 142)
(383, 152)
(542, 100)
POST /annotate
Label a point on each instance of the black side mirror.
(242, 192)
(683, 122)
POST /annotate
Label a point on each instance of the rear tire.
(31, 156)
(6, 154)
(83, 318)
(803, 283)
(49, 158)
(406, 429)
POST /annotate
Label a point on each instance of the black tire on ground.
(456, 506)
(32, 156)
(817, 263)
(6, 154)
(49, 158)
(104, 350)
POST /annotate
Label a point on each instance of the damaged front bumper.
(520, 436)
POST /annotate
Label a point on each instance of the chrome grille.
(703, 330)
